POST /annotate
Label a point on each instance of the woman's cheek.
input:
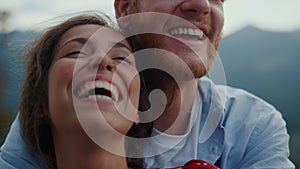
(64, 68)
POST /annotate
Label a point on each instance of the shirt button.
(213, 149)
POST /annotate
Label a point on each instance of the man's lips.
(189, 33)
(190, 30)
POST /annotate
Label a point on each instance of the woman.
(80, 96)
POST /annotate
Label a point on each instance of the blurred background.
(260, 51)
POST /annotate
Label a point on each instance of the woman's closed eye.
(122, 58)
(75, 53)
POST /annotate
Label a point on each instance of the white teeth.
(180, 31)
(187, 31)
(191, 31)
(99, 97)
(84, 91)
(175, 31)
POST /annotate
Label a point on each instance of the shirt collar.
(213, 108)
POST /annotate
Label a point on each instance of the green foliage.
(5, 119)
(295, 147)
(2, 82)
(4, 116)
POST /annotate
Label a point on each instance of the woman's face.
(93, 82)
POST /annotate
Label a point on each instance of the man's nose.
(196, 7)
(102, 63)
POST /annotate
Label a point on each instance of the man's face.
(193, 38)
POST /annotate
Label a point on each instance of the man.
(249, 132)
(224, 126)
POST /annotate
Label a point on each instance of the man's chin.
(194, 71)
(199, 70)
(174, 57)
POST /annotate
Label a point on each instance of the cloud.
(29, 14)
(267, 14)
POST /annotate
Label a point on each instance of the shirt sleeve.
(269, 144)
(14, 154)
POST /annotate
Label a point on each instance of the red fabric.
(196, 164)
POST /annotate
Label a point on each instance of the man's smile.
(189, 33)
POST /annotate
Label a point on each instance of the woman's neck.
(81, 152)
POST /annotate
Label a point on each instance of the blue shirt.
(227, 125)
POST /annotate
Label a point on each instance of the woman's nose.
(102, 63)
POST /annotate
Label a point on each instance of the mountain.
(12, 46)
(266, 64)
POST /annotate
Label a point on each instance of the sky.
(274, 15)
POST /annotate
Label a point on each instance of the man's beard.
(184, 62)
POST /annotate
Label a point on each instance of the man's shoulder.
(240, 98)
(239, 105)
(251, 123)
(232, 97)
(246, 112)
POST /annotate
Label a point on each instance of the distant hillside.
(11, 48)
(267, 64)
